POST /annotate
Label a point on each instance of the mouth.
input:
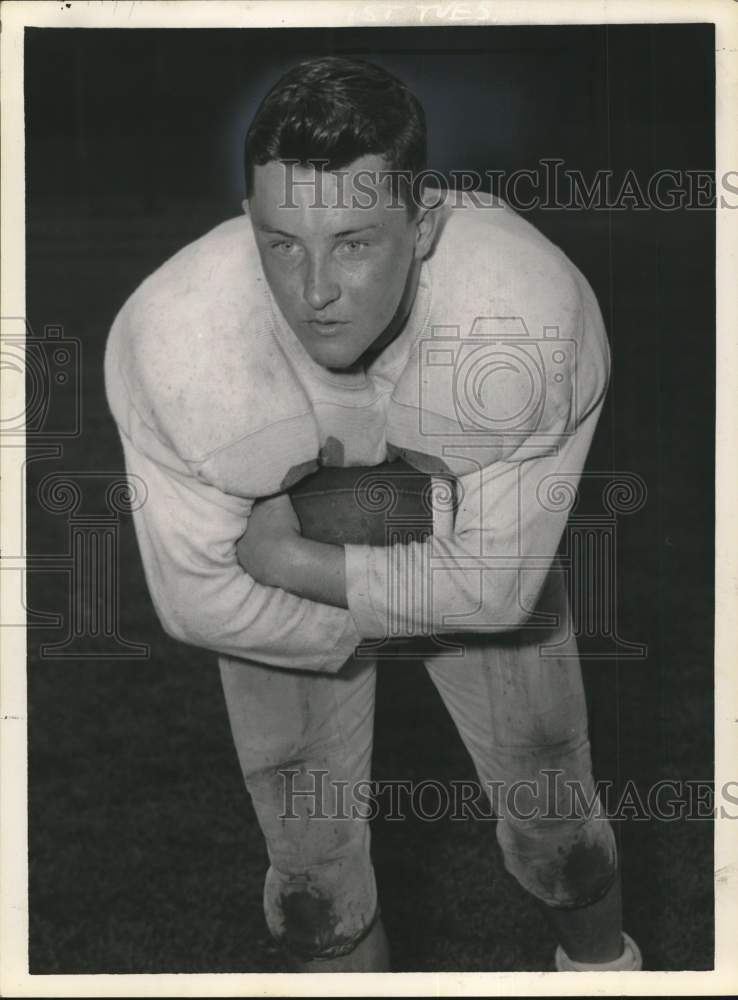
(326, 327)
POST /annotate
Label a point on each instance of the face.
(342, 274)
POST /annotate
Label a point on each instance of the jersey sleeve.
(484, 567)
(187, 532)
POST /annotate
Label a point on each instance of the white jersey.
(497, 380)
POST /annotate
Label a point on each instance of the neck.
(398, 322)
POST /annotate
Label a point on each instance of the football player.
(351, 316)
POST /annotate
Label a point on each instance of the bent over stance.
(343, 321)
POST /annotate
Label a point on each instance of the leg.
(523, 719)
(591, 933)
(371, 954)
(300, 738)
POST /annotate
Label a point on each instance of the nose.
(321, 288)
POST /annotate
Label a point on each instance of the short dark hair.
(335, 109)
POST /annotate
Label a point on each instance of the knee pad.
(565, 864)
(324, 911)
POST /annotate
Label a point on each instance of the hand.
(263, 549)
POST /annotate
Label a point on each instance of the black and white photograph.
(362, 402)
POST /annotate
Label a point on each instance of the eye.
(286, 248)
(353, 247)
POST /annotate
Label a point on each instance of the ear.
(245, 206)
(426, 226)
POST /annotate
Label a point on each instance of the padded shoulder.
(202, 366)
(199, 353)
(515, 353)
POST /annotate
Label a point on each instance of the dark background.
(144, 851)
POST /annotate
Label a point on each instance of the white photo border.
(14, 977)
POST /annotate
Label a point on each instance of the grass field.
(144, 851)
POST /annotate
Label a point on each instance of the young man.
(343, 320)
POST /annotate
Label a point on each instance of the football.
(375, 505)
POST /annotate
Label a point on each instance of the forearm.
(312, 570)
(439, 586)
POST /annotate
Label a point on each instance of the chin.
(336, 359)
